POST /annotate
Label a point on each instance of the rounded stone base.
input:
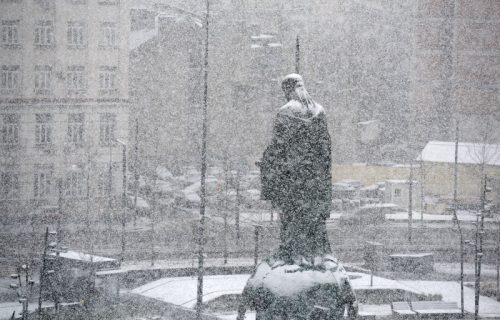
(315, 288)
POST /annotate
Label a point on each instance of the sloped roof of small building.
(468, 153)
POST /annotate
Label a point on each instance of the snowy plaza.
(249, 159)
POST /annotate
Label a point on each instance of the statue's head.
(294, 89)
(289, 85)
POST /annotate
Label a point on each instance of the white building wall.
(23, 156)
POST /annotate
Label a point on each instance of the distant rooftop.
(468, 153)
(74, 255)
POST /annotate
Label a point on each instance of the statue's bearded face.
(300, 91)
(300, 94)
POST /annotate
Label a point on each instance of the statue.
(302, 280)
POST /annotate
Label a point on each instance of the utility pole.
(297, 55)
(498, 259)
(110, 186)
(238, 203)
(476, 271)
(455, 217)
(42, 273)
(226, 253)
(258, 229)
(124, 197)
(136, 176)
(59, 209)
(153, 214)
(225, 207)
(422, 192)
(410, 203)
(201, 228)
(479, 246)
(87, 208)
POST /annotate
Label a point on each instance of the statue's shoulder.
(296, 109)
(292, 107)
(319, 110)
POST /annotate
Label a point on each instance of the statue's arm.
(272, 164)
(325, 156)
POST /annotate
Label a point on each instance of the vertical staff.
(297, 55)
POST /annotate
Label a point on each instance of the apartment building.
(63, 102)
(456, 74)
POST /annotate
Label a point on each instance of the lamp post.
(257, 235)
(50, 252)
(23, 290)
(124, 195)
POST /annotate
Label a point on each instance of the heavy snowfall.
(249, 159)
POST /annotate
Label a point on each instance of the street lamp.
(25, 289)
(51, 252)
(124, 195)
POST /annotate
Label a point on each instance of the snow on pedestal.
(298, 290)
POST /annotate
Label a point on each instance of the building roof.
(468, 153)
(136, 38)
(84, 257)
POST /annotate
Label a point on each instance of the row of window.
(76, 34)
(75, 79)
(74, 183)
(106, 2)
(44, 125)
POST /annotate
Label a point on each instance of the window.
(44, 33)
(397, 193)
(107, 123)
(75, 184)
(43, 129)
(75, 128)
(10, 129)
(104, 181)
(10, 34)
(43, 79)
(9, 185)
(75, 34)
(107, 79)
(9, 78)
(76, 80)
(109, 2)
(43, 181)
(108, 35)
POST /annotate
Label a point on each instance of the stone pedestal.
(314, 288)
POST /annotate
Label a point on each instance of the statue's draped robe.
(296, 177)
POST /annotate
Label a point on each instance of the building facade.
(166, 88)
(63, 101)
(456, 70)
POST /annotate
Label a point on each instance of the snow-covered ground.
(465, 217)
(454, 268)
(182, 291)
(450, 291)
(6, 308)
(177, 264)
